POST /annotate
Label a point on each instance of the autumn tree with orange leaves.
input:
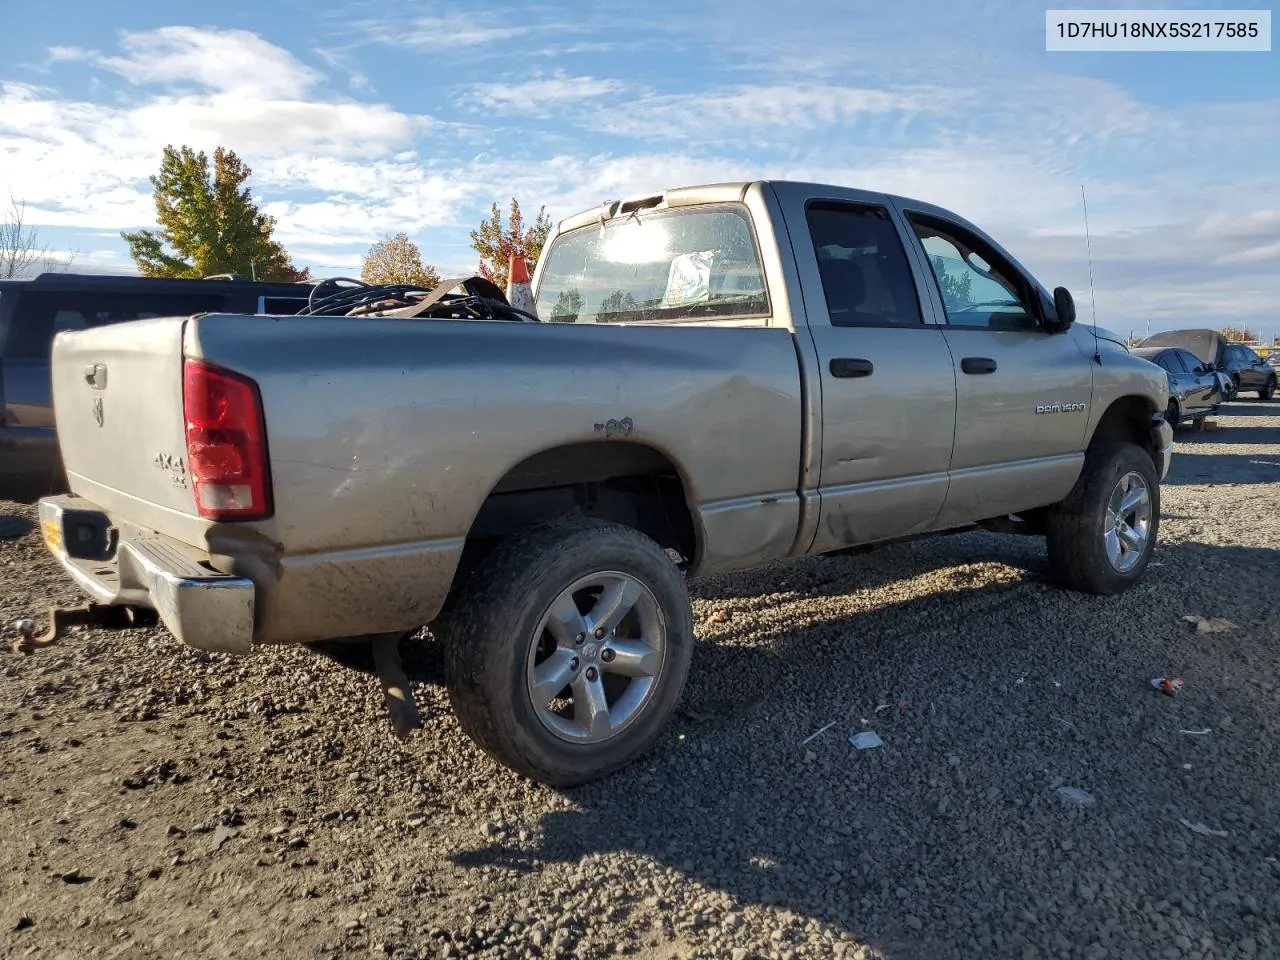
(497, 243)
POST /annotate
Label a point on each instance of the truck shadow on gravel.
(990, 694)
(1190, 466)
(14, 525)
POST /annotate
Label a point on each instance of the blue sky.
(364, 118)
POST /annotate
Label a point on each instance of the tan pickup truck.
(722, 376)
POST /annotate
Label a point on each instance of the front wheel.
(568, 648)
(1100, 537)
(1173, 413)
(1269, 391)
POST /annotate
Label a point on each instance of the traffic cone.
(519, 287)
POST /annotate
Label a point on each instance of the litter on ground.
(1201, 829)
(866, 740)
(1207, 625)
(1077, 796)
(817, 733)
(1168, 685)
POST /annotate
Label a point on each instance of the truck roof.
(725, 192)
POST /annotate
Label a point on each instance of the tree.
(567, 307)
(496, 244)
(956, 290)
(21, 251)
(1237, 335)
(397, 260)
(210, 225)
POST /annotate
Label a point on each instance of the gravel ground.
(1033, 797)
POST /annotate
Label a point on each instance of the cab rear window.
(691, 263)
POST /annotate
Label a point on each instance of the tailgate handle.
(96, 375)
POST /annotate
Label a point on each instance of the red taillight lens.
(226, 443)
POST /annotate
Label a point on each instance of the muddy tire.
(1100, 537)
(567, 649)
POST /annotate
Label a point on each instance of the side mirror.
(1065, 307)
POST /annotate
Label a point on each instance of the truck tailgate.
(117, 396)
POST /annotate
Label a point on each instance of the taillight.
(226, 443)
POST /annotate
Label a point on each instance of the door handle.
(978, 365)
(850, 367)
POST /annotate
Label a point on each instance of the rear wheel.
(1269, 391)
(1100, 537)
(1235, 387)
(1173, 413)
(568, 648)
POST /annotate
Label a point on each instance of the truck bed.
(385, 437)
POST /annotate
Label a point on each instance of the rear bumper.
(1162, 433)
(131, 567)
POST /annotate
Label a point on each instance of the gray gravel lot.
(156, 801)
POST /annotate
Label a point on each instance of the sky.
(362, 119)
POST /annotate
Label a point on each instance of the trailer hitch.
(85, 615)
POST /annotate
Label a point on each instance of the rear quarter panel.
(386, 437)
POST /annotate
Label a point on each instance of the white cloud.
(221, 60)
(442, 33)
(778, 109)
(540, 95)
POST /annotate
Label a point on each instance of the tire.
(1235, 387)
(1269, 391)
(1076, 531)
(497, 633)
(1173, 414)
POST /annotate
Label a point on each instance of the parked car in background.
(33, 311)
(1247, 370)
(1194, 387)
(724, 376)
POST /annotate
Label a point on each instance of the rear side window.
(690, 263)
(865, 275)
(38, 317)
(1190, 361)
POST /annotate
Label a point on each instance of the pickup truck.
(718, 377)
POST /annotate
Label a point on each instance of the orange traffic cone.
(519, 287)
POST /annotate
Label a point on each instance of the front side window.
(1170, 361)
(865, 275)
(690, 263)
(975, 292)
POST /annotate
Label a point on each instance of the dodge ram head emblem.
(97, 410)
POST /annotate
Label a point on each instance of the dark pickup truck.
(33, 311)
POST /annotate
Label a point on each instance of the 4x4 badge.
(97, 410)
